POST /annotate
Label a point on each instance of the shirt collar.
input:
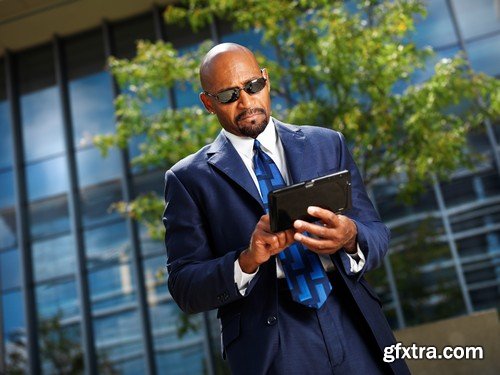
(244, 145)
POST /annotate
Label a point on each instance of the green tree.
(58, 347)
(336, 67)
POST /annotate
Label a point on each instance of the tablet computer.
(332, 192)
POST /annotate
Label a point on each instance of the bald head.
(233, 69)
(219, 57)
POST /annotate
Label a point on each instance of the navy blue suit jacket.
(212, 207)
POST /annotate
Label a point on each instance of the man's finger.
(317, 230)
(317, 245)
(326, 216)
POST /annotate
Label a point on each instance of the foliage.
(58, 347)
(349, 69)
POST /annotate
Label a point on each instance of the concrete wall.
(479, 329)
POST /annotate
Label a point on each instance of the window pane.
(96, 201)
(60, 344)
(85, 54)
(55, 298)
(126, 33)
(112, 287)
(107, 244)
(47, 178)
(485, 54)
(6, 138)
(476, 17)
(459, 190)
(188, 360)
(49, 216)
(436, 29)
(425, 277)
(54, 258)
(7, 197)
(118, 335)
(12, 315)
(9, 267)
(42, 124)
(7, 228)
(91, 102)
(94, 169)
(155, 273)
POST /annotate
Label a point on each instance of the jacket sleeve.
(198, 280)
(373, 236)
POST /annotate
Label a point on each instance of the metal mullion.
(207, 337)
(128, 195)
(160, 35)
(390, 275)
(453, 246)
(89, 353)
(22, 219)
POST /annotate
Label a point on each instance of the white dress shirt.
(272, 146)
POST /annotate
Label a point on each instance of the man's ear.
(207, 103)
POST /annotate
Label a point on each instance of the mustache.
(249, 112)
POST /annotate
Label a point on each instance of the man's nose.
(244, 99)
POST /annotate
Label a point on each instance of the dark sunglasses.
(233, 94)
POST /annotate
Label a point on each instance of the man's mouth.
(250, 113)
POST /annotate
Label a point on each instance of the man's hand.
(263, 245)
(337, 232)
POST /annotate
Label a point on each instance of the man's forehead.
(230, 68)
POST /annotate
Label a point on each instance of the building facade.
(68, 264)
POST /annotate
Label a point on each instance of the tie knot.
(256, 145)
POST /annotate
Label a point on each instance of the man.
(222, 254)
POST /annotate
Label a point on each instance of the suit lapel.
(296, 150)
(223, 156)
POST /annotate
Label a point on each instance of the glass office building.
(68, 264)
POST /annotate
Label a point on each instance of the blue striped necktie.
(304, 272)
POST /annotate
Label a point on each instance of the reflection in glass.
(12, 314)
(187, 360)
(486, 298)
(7, 196)
(425, 278)
(60, 347)
(476, 17)
(155, 274)
(459, 190)
(149, 246)
(57, 298)
(42, 124)
(112, 287)
(94, 169)
(436, 29)
(118, 335)
(54, 258)
(47, 178)
(91, 103)
(6, 138)
(96, 201)
(132, 367)
(107, 244)
(10, 276)
(485, 54)
(49, 216)
(7, 227)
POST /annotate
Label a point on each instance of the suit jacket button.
(271, 320)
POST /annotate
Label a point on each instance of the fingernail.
(311, 210)
(297, 237)
(297, 224)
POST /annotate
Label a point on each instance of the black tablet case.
(332, 192)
